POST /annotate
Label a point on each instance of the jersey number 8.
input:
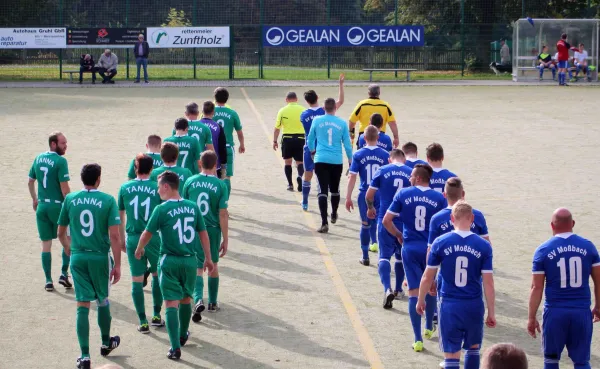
(420, 213)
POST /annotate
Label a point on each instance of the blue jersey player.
(388, 181)
(365, 163)
(415, 206)
(384, 141)
(462, 258)
(435, 159)
(307, 117)
(564, 263)
(411, 151)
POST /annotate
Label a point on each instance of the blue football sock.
(582, 365)
(365, 237)
(373, 231)
(550, 364)
(385, 269)
(541, 71)
(305, 192)
(452, 363)
(430, 302)
(472, 359)
(399, 270)
(415, 318)
(570, 73)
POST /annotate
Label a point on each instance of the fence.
(458, 34)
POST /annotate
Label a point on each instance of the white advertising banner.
(33, 38)
(176, 37)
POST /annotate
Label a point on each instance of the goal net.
(530, 35)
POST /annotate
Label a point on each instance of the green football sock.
(104, 320)
(83, 330)
(172, 321)
(185, 316)
(47, 265)
(66, 259)
(157, 297)
(137, 293)
(213, 289)
(199, 290)
(228, 185)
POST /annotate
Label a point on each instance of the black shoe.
(111, 82)
(183, 340)
(64, 281)
(157, 322)
(80, 82)
(299, 180)
(146, 82)
(213, 308)
(174, 354)
(83, 363)
(290, 188)
(94, 82)
(365, 262)
(136, 81)
(103, 81)
(146, 275)
(334, 218)
(198, 308)
(113, 344)
(49, 287)
(324, 228)
(388, 297)
(143, 328)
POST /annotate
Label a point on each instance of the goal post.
(530, 35)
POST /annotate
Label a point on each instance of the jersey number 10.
(575, 272)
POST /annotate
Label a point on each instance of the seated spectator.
(504, 356)
(545, 61)
(107, 66)
(86, 64)
(505, 64)
(581, 63)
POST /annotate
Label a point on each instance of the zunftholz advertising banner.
(32, 38)
(343, 36)
(179, 37)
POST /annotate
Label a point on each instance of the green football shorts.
(91, 276)
(151, 255)
(177, 277)
(46, 218)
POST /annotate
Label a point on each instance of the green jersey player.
(94, 222)
(229, 120)
(182, 231)
(189, 148)
(51, 172)
(169, 154)
(138, 198)
(153, 147)
(197, 129)
(210, 194)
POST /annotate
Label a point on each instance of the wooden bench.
(71, 72)
(371, 70)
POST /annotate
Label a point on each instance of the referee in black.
(292, 138)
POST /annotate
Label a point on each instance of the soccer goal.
(530, 35)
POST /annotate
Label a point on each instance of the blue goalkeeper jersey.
(329, 135)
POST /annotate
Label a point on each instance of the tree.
(176, 18)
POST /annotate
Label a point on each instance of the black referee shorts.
(292, 147)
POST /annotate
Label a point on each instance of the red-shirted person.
(563, 47)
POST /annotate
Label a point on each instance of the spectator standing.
(107, 66)
(86, 64)
(141, 51)
(505, 64)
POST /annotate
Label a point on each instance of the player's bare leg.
(288, 173)
(213, 289)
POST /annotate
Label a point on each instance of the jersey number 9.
(87, 223)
